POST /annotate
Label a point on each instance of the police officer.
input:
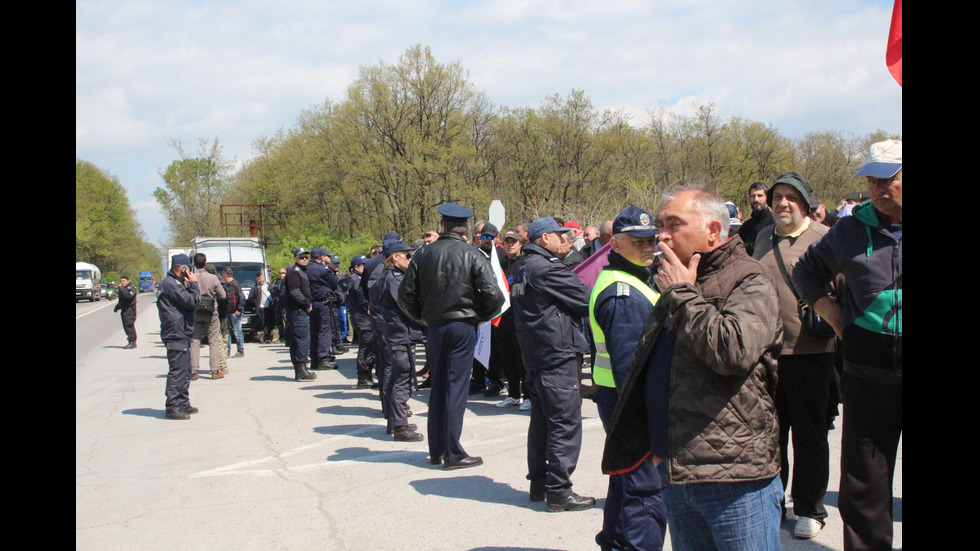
(298, 300)
(634, 516)
(401, 334)
(450, 286)
(549, 302)
(357, 309)
(179, 297)
(127, 310)
(323, 286)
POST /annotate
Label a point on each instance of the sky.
(148, 73)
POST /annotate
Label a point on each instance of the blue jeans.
(727, 516)
(235, 327)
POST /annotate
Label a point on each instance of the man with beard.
(761, 216)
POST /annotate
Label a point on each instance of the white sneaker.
(508, 402)
(806, 528)
(526, 406)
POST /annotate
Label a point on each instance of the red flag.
(893, 57)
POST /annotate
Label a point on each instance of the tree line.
(412, 135)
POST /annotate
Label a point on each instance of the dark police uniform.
(634, 516)
(450, 286)
(357, 310)
(176, 305)
(549, 301)
(297, 298)
(323, 288)
(126, 306)
(401, 334)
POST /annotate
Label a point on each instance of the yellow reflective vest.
(601, 366)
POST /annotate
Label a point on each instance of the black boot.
(406, 434)
(303, 374)
(364, 381)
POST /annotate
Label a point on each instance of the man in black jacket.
(450, 286)
(549, 302)
(127, 309)
(299, 303)
(761, 216)
(179, 297)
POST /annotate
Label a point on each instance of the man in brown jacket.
(807, 394)
(207, 323)
(698, 400)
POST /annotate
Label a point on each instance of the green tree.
(106, 231)
(193, 190)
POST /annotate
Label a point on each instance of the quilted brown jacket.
(721, 417)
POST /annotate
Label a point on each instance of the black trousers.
(179, 374)
(128, 317)
(321, 332)
(869, 445)
(449, 350)
(398, 385)
(803, 405)
(554, 435)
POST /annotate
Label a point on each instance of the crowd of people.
(712, 343)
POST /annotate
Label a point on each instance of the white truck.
(87, 278)
(244, 255)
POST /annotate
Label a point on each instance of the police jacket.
(399, 329)
(548, 302)
(450, 280)
(176, 305)
(296, 290)
(127, 297)
(323, 282)
(720, 415)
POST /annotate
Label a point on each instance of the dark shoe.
(363, 383)
(130, 346)
(574, 502)
(426, 384)
(303, 374)
(178, 414)
(391, 430)
(341, 349)
(491, 391)
(437, 460)
(239, 355)
(464, 463)
(407, 434)
(477, 388)
(323, 365)
(190, 410)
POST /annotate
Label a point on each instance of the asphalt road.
(270, 463)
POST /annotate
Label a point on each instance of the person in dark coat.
(401, 334)
(179, 297)
(450, 287)
(549, 302)
(299, 302)
(126, 306)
